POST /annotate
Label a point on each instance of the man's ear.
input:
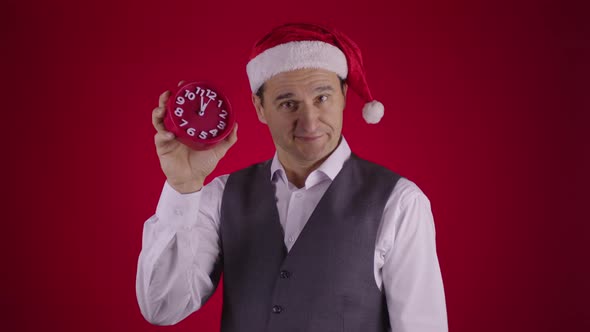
(259, 108)
(344, 90)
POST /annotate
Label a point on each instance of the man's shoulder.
(374, 168)
(404, 189)
(221, 180)
(218, 185)
(252, 168)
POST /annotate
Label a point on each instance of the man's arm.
(411, 273)
(178, 267)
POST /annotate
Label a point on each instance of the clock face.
(199, 115)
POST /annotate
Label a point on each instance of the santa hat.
(299, 45)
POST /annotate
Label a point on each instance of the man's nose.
(308, 120)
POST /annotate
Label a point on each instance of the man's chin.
(312, 150)
(312, 154)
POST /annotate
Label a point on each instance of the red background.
(486, 110)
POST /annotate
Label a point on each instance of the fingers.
(163, 98)
(158, 119)
(163, 139)
(159, 112)
(233, 137)
(230, 140)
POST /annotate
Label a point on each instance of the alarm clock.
(199, 115)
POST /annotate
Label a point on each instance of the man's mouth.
(308, 138)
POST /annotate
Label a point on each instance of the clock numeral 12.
(210, 94)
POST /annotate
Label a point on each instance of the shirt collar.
(330, 167)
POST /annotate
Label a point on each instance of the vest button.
(285, 274)
(277, 309)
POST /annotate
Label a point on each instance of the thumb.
(229, 141)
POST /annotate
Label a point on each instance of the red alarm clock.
(199, 115)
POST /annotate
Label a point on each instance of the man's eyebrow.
(284, 96)
(319, 89)
(324, 88)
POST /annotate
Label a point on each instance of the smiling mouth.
(308, 138)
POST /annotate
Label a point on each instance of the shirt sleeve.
(411, 273)
(180, 262)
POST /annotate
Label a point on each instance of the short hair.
(260, 91)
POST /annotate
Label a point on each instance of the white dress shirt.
(181, 245)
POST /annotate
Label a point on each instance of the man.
(315, 239)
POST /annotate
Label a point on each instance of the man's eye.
(287, 105)
(322, 98)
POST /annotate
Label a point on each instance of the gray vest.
(326, 282)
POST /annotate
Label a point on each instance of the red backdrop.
(486, 110)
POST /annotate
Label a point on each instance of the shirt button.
(290, 239)
(277, 309)
(178, 212)
(298, 195)
(285, 274)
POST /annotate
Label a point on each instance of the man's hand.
(185, 168)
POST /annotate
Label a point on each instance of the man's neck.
(297, 171)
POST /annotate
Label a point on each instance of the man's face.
(303, 110)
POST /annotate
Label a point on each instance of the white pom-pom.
(373, 112)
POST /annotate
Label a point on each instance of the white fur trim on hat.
(292, 56)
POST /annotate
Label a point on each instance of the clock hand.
(204, 106)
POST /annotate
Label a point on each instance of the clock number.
(203, 135)
(189, 95)
(184, 123)
(219, 104)
(191, 131)
(213, 132)
(212, 95)
(223, 114)
(178, 111)
(179, 100)
(221, 125)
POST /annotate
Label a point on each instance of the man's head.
(303, 110)
(307, 68)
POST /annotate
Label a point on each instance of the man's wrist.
(187, 187)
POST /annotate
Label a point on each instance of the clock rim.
(231, 116)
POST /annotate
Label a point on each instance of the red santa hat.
(300, 45)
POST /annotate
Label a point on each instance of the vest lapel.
(334, 197)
